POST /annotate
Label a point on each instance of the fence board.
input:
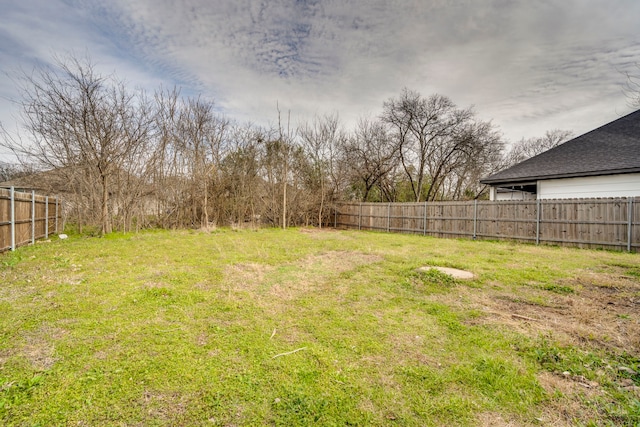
(586, 223)
(46, 221)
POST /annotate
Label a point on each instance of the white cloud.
(528, 66)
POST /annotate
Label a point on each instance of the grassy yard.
(309, 327)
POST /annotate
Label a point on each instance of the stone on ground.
(453, 272)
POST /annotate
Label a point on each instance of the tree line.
(126, 159)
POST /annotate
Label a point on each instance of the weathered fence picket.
(26, 217)
(588, 223)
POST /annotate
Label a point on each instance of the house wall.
(623, 185)
(496, 195)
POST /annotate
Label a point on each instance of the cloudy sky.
(529, 66)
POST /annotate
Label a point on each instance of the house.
(602, 163)
(77, 187)
(54, 181)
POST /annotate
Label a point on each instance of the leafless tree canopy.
(632, 87)
(10, 171)
(438, 143)
(527, 148)
(87, 127)
(370, 156)
(125, 159)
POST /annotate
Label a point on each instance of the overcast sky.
(529, 66)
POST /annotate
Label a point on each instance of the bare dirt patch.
(569, 384)
(592, 311)
(568, 392)
(492, 419)
(602, 311)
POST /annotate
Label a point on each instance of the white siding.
(624, 185)
(512, 195)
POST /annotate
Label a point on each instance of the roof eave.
(518, 180)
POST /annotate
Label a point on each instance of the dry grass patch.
(39, 347)
(246, 276)
(602, 311)
(322, 233)
(293, 280)
(493, 419)
(164, 407)
(591, 312)
(335, 262)
(567, 407)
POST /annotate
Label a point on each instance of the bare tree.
(632, 87)
(124, 156)
(285, 147)
(198, 136)
(321, 140)
(192, 140)
(370, 156)
(425, 130)
(479, 154)
(12, 171)
(527, 148)
(240, 180)
(83, 124)
(279, 174)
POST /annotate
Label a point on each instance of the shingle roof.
(610, 149)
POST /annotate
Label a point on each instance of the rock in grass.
(626, 370)
(453, 272)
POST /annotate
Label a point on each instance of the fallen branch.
(517, 316)
(274, 332)
(289, 352)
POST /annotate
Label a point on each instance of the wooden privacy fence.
(26, 217)
(587, 223)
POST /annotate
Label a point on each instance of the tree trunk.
(104, 217)
(284, 195)
(205, 201)
(321, 203)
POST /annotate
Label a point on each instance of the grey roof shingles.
(610, 149)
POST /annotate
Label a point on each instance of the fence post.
(335, 216)
(424, 228)
(389, 217)
(629, 224)
(33, 217)
(360, 218)
(538, 206)
(46, 217)
(12, 194)
(475, 217)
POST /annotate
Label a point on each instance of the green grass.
(193, 328)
